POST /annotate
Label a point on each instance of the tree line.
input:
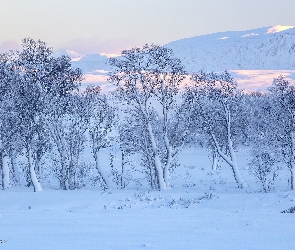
(156, 110)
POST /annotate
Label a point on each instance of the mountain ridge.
(235, 50)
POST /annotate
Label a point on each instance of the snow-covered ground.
(203, 210)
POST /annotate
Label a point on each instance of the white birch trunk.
(214, 161)
(123, 170)
(100, 171)
(235, 168)
(167, 166)
(293, 177)
(156, 157)
(64, 178)
(64, 173)
(55, 128)
(232, 162)
(36, 183)
(292, 170)
(169, 151)
(165, 131)
(15, 170)
(5, 172)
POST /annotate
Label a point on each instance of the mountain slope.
(90, 63)
(264, 49)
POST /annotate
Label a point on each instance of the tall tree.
(30, 78)
(214, 100)
(10, 120)
(146, 77)
(101, 121)
(282, 95)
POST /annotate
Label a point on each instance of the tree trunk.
(234, 165)
(230, 161)
(158, 165)
(5, 172)
(214, 160)
(123, 171)
(292, 165)
(16, 176)
(167, 166)
(100, 171)
(36, 183)
(292, 178)
(37, 167)
(63, 178)
(64, 171)
(165, 132)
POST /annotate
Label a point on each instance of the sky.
(109, 26)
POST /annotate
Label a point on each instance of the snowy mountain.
(254, 57)
(270, 48)
(92, 62)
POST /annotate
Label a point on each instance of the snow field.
(203, 210)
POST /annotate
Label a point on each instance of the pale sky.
(97, 26)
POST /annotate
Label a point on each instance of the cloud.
(278, 28)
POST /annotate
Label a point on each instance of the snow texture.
(203, 210)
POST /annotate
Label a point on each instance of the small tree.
(214, 100)
(67, 119)
(145, 77)
(101, 121)
(282, 98)
(47, 84)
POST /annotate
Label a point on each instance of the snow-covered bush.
(263, 168)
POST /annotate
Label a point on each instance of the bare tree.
(102, 116)
(149, 77)
(282, 98)
(215, 99)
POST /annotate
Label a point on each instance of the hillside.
(269, 48)
(254, 57)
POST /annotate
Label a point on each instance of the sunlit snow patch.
(260, 80)
(250, 34)
(278, 28)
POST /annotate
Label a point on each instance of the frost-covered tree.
(150, 77)
(282, 98)
(29, 78)
(10, 143)
(63, 115)
(67, 119)
(33, 67)
(261, 137)
(101, 122)
(135, 141)
(216, 112)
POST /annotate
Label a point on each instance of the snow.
(270, 48)
(203, 210)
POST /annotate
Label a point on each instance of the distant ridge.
(269, 48)
(254, 57)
